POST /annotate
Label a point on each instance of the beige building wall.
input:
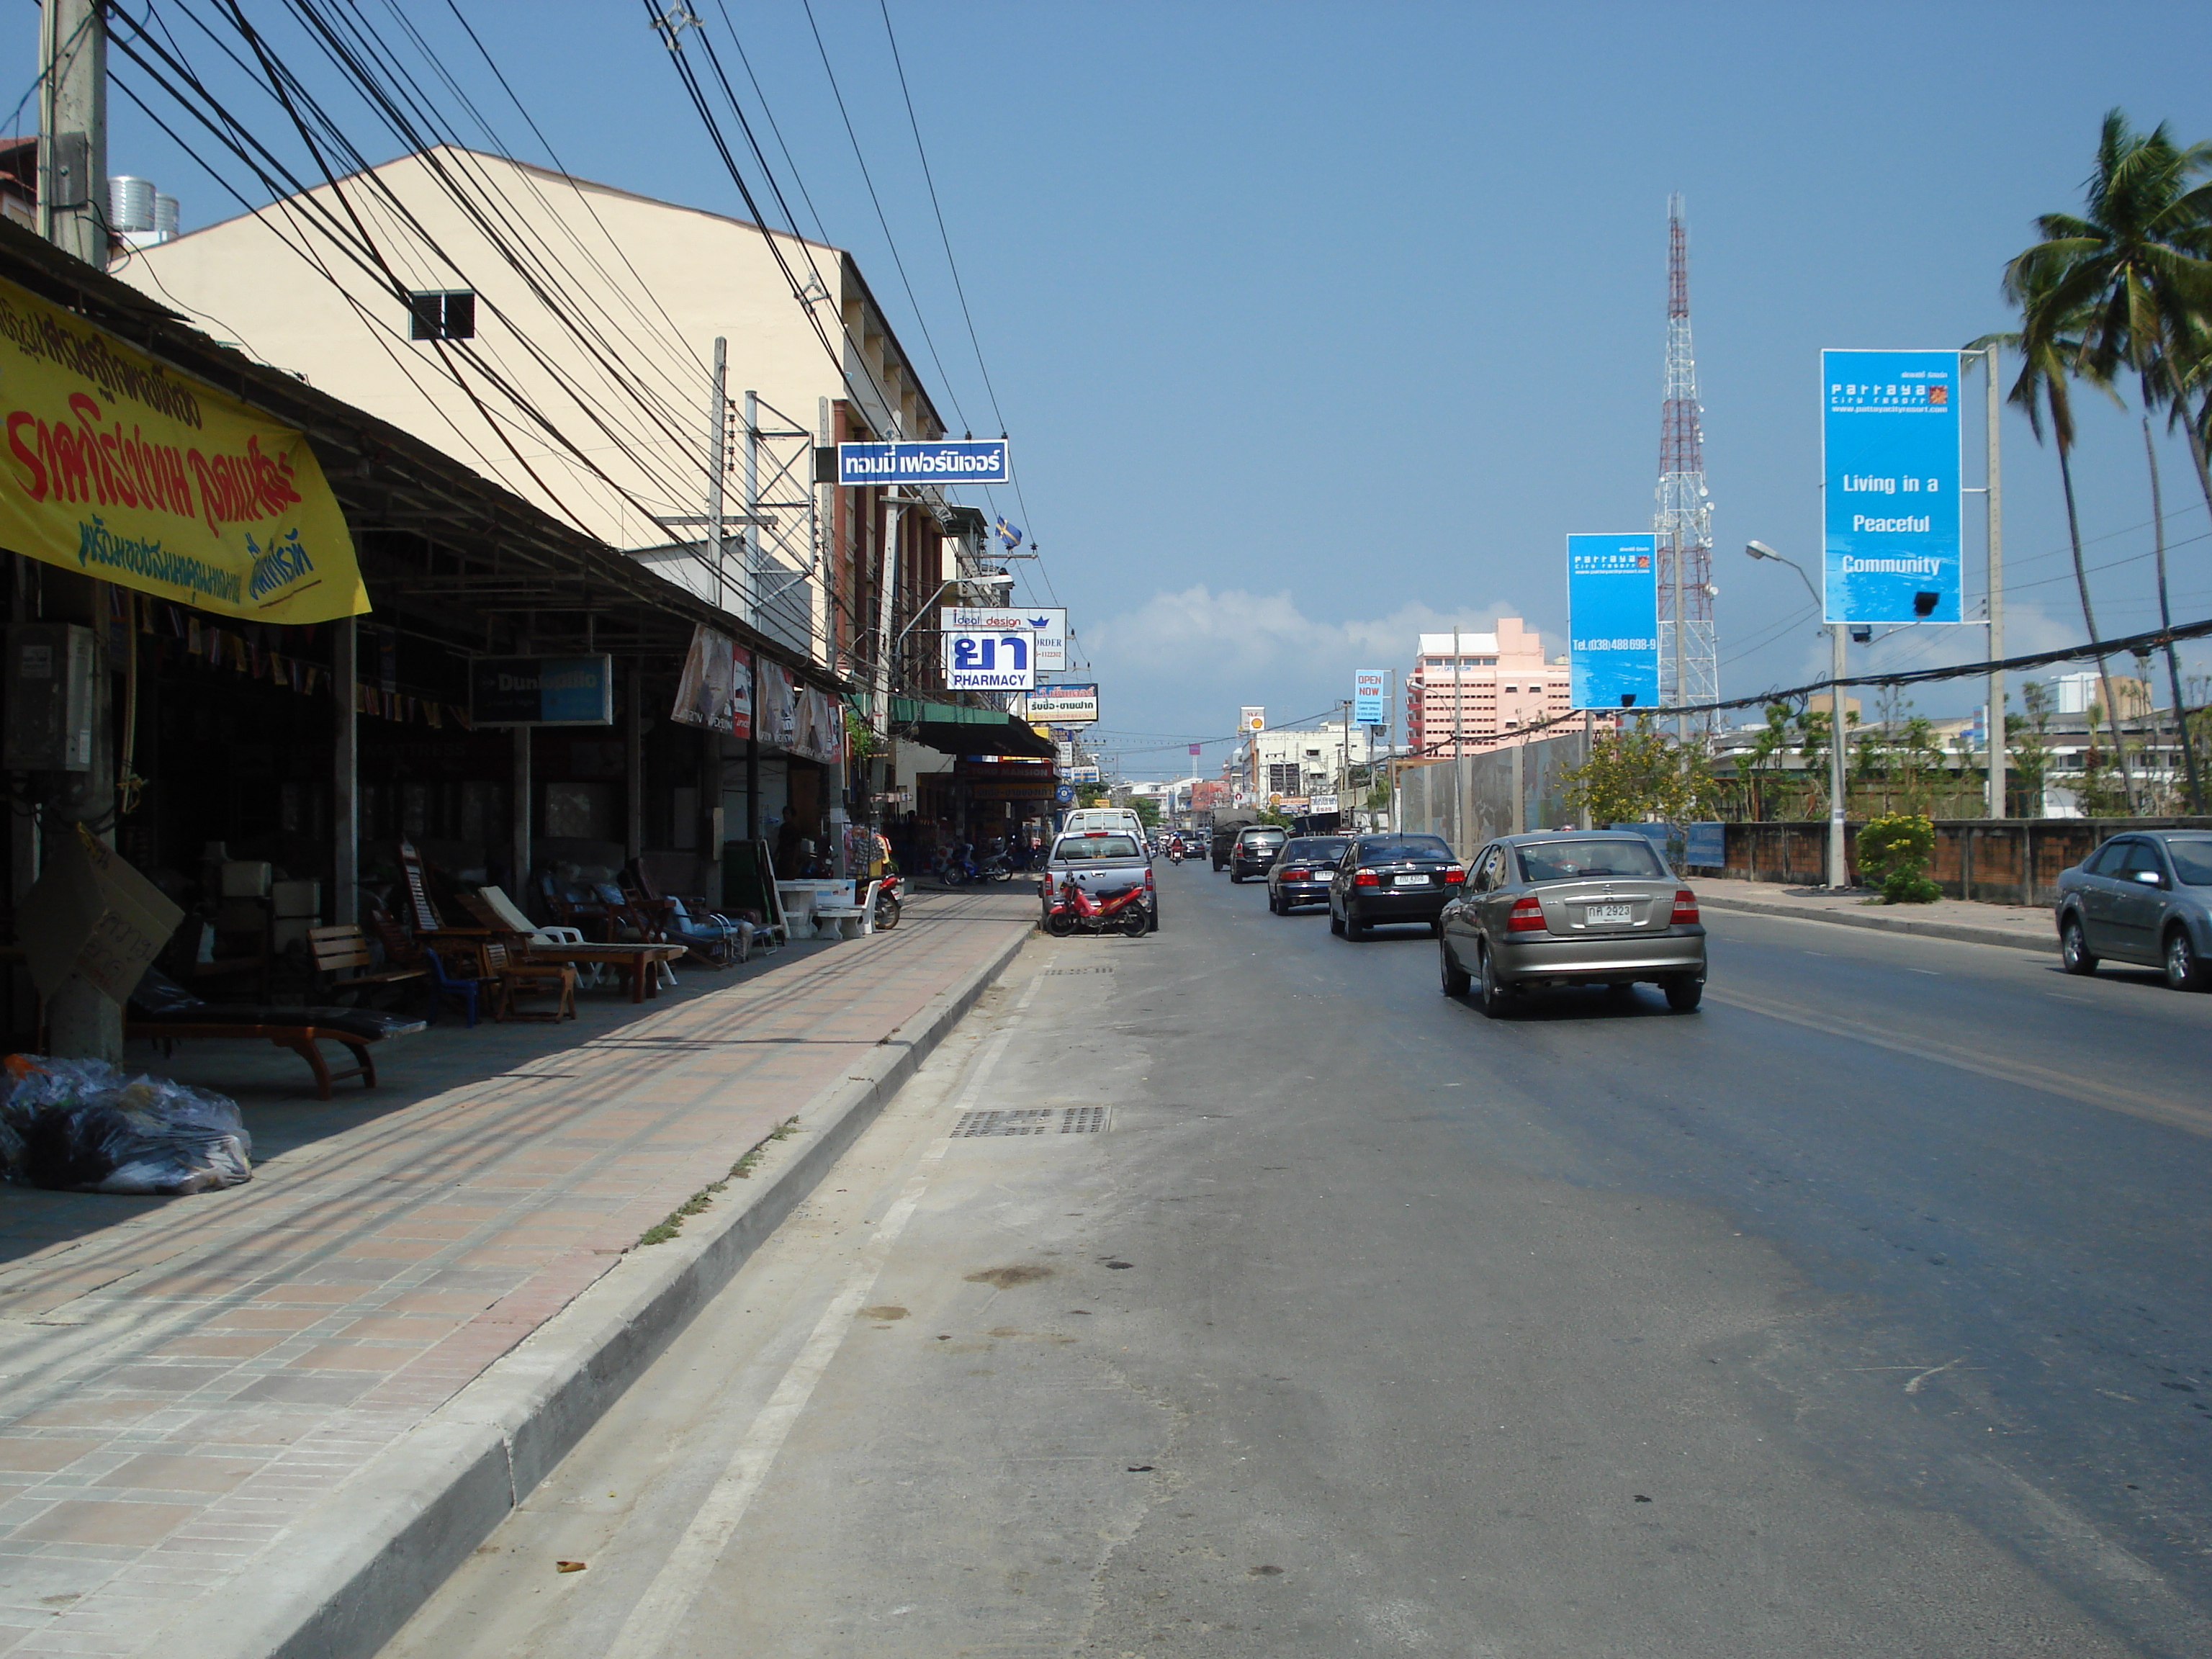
(604, 325)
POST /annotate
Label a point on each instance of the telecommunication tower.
(1689, 673)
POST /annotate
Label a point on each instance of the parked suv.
(1255, 850)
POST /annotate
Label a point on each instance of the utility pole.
(718, 467)
(84, 1023)
(1993, 506)
(1839, 867)
(1344, 788)
(750, 599)
(73, 127)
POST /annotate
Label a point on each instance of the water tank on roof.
(165, 216)
(130, 204)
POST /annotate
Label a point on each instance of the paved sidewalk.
(186, 1379)
(2025, 928)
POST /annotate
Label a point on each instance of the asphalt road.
(1862, 1312)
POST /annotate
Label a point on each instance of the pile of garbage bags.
(85, 1125)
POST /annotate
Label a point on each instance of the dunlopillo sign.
(941, 461)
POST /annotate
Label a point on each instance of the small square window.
(449, 314)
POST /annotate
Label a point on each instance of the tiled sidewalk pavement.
(184, 1376)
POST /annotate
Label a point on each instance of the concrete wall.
(1498, 792)
(1997, 861)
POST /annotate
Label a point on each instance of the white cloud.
(1163, 662)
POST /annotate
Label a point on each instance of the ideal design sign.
(940, 461)
(994, 659)
(1047, 621)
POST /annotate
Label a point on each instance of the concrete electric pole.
(73, 128)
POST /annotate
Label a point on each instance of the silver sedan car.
(2145, 898)
(1590, 908)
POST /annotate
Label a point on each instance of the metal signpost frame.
(1612, 610)
(1890, 497)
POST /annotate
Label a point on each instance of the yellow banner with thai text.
(123, 469)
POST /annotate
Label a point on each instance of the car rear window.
(1091, 850)
(1382, 848)
(1264, 837)
(1580, 860)
(1314, 849)
(2192, 862)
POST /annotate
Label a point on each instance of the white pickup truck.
(1103, 861)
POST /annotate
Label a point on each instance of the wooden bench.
(337, 949)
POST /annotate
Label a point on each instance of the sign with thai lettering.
(989, 659)
(1067, 704)
(1613, 620)
(935, 461)
(1889, 464)
(541, 691)
(122, 469)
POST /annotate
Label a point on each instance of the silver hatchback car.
(1593, 908)
(2145, 897)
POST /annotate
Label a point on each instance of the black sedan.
(1382, 879)
(1300, 873)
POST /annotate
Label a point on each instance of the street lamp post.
(1839, 865)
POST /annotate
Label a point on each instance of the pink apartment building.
(1499, 683)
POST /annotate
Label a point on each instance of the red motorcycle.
(1074, 911)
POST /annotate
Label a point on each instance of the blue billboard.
(1889, 466)
(1613, 620)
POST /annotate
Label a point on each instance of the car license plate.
(1597, 915)
(1410, 881)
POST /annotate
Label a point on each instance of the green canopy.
(952, 728)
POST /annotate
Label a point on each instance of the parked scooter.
(1074, 911)
(891, 899)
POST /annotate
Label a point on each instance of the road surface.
(1862, 1312)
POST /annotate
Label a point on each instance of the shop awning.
(952, 729)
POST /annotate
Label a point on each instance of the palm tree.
(2131, 274)
(2050, 352)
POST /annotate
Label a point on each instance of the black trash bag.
(85, 1125)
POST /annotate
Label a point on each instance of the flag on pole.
(1009, 532)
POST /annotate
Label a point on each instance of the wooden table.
(637, 959)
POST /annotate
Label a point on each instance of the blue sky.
(1314, 326)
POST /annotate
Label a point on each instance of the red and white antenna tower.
(1689, 673)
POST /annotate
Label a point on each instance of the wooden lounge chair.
(340, 950)
(164, 1011)
(513, 979)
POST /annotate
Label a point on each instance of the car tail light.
(1297, 875)
(1527, 915)
(1365, 878)
(1686, 906)
(1148, 879)
(1454, 875)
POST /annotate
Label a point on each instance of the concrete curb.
(344, 1577)
(1964, 932)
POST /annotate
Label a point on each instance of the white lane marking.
(1930, 972)
(667, 1601)
(2063, 997)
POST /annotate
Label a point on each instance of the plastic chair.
(462, 988)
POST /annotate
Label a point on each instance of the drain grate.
(1031, 1121)
(1054, 973)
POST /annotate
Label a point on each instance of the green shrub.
(1895, 851)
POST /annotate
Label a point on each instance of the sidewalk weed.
(672, 1224)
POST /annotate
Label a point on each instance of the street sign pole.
(1993, 504)
(1839, 865)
